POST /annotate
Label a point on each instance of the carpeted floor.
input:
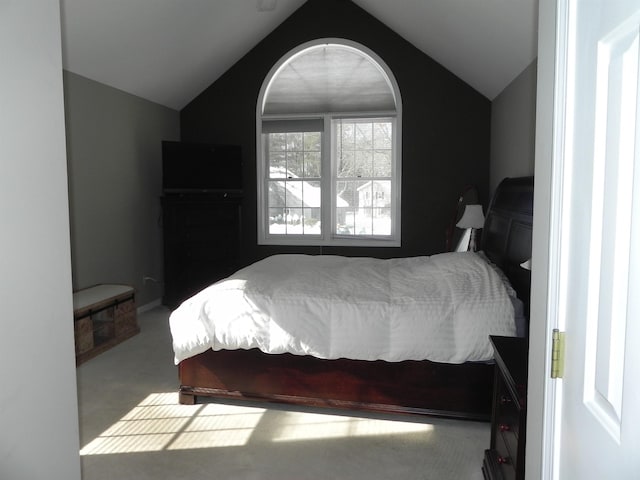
(131, 427)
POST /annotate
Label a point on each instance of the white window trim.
(328, 238)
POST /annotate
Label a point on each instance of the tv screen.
(201, 167)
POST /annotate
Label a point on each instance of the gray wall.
(38, 402)
(115, 183)
(513, 121)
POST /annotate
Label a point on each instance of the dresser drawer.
(507, 411)
(506, 462)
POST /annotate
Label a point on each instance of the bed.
(301, 370)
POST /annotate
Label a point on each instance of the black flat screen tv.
(201, 167)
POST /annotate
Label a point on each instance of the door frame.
(549, 194)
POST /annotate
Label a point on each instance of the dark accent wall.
(445, 125)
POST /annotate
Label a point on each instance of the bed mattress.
(440, 308)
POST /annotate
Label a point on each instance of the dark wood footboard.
(414, 387)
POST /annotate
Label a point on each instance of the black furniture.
(505, 458)
(201, 241)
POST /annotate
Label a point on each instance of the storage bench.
(103, 316)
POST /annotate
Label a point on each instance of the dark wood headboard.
(506, 236)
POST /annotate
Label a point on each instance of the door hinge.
(557, 354)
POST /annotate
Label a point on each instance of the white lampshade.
(472, 217)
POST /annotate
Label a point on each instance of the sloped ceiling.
(168, 51)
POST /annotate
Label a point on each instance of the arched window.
(328, 148)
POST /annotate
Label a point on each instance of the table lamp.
(472, 218)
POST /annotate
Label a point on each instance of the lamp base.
(472, 241)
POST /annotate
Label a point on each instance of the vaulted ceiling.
(168, 51)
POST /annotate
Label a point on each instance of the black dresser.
(506, 455)
(202, 238)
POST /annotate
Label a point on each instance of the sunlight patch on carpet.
(160, 423)
(306, 426)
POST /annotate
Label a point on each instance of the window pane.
(276, 221)
(277, 165)
(294, 194)
(312, 141)
(381, 194)
(364, 194)
(382, 163)
(382, 135)
(312, 221)
(277, 141)
(294, 221)
(344, 194)
(295, 165)
(363, 222)
(345, 207)
(294, 141)
(312, 164)
(346, 132)
(345, 221)
(277, 194)
(383, 190)
(364, 136)
(311, 194)
(382, 221)
(346, 164)
(338, 138)
(364, 163)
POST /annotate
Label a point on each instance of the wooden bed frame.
(415, 387)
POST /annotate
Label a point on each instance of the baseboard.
(149, 306)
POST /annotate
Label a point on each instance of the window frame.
(328, 173)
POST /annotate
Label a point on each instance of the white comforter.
(440, 308)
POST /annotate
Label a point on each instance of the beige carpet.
(132, 427)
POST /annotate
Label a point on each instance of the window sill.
(332, 242)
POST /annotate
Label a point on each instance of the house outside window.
(328, 161)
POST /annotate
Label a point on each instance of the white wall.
(38, 403)
(513, 122)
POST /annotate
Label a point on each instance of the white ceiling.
(168, 51)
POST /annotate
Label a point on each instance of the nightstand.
(505, 458)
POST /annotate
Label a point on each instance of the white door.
(593, 422)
